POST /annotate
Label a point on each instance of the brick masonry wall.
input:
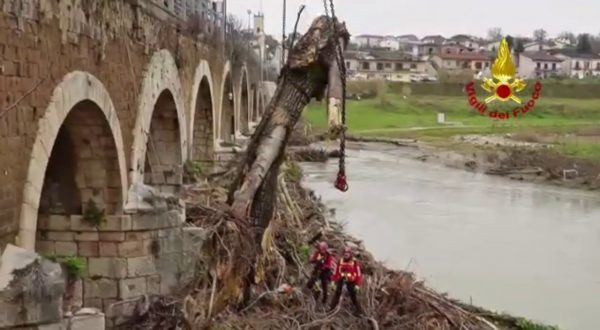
(164, 168)
(42, 41)
(127, 257)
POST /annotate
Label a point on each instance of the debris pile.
(235, 289)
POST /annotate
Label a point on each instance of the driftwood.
(515, 170)
(310, 68)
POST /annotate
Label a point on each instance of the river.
(526, 249)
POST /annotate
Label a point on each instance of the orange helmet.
(323, 246)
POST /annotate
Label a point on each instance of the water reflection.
(527, 249)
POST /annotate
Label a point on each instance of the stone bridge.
(96, 98)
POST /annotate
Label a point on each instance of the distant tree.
(510, 41)
(583, 43)
(540, 35)
(570, 36)
(494, 34)
(519, 48)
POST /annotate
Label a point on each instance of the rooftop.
(541, 56)
(573, 53)
(472, 56)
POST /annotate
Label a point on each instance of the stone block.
(86, 236)
(111, 237)
(100, 288)
(93, 303)
(140, 235)
(65, 249)
(87, 249)
(140, 266)
(78, 223)
(45, 248)
(88, 321)
(153, 284)
(108, 267)
(58, 223)
(65, 236)
(132, 287)
(131, 249)
(145, 222)
(21, 295)
(107, 249)
(116, 223)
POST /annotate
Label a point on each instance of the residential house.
(578, 65)
(387, 65)
(433, 39)
(476, 61)
(492, 46)
(389, 43)
(536, 46)
(408, 37)
(539, 64)
(368, 40)
(465, 41)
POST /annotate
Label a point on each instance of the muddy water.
(526, 249)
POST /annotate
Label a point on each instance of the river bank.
(500, 155)
(217, 299)
(512, 246)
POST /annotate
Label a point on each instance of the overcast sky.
(423, 17)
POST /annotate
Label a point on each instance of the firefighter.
(324, 264)
(347, 274)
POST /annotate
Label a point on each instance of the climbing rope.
(341, 182)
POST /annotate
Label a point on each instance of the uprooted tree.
(312, 69)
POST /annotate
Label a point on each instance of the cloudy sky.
(423, 17)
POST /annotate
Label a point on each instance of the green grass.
(587, 150)
(367, 117)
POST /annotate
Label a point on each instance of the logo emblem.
(503, 84)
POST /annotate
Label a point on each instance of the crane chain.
(341, 182)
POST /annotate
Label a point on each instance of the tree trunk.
(306, 74)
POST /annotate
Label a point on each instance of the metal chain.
(342, 68)
(283, 32)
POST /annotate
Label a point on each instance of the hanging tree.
(314, 67)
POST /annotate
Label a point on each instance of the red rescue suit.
(324, 264)
(347, 274)
(348, 270)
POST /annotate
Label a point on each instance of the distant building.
(389, 43)
(408, 37)
(387, 65)
(465, 41)
(476, 61)
(433, 39)
(368, 40)
(539, 64)
(578, 65)
(538, 46)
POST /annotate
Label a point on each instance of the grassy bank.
(416, 117)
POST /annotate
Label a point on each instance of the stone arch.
(244, 103)
(160, 86)
(202, 115)
(227, 127)
(80, 115)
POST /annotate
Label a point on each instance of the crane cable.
(341, 181)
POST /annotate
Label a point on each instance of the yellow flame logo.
(503, 71)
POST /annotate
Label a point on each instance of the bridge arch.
(77, 153)
(244, 105)
(202, 115)
(227, 126)
(159, 136)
